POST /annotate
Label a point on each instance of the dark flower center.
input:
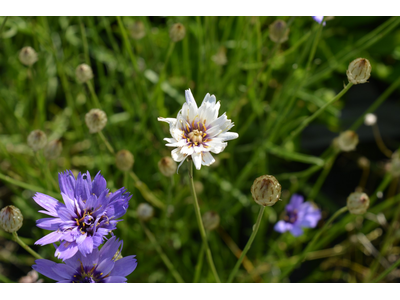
(196, 134)
(291, 216)
(86, 275)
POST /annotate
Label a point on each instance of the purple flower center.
(291, 216)
(86, 222)
(196, 134)
(86, 275)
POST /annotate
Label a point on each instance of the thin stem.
(379, 141)
(2, 25)
(248, 245)
(164, 257)
(309, 246)
(93, 93)
(25, 246)
(387, 271)
(199, 264)
(108, 145)
(84, 41)
(146, 193)
(200, 224)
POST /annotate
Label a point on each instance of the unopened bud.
(220, 57)
(53, 149)
(394, 165)
(370, 119)
(359, 71)
(210, 220)
(137, 30)
(28, 56)
(37, 140)
(124, 160)
(11, 218)
(363, 162)
(278, 31)
(177, 32)
(95, 120)
(167, 166)
(347, 141)
(357, 203)
(266, 190)
(83, 73)
(145, 211)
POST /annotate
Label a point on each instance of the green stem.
(25, 246)
(164, 257)
(248, 245)
(108, 145)
(200, 224)
(84, 41)
(2, 25)
(387, 271)
(93, 93)
(309, 246)
(199, 265)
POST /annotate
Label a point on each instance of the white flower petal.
(189, 98)
(168, 120)
(187, 150)
(227, 136)
(216, 145)
(177, 155)
(170, 140)
(196, 157)
(207, 159)
(176, 133)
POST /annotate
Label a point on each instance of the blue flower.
(96, 267)
(319, 20)
(88, 215)
(298, 215)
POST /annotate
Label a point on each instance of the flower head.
(197, 131)
(298, 215)
(11, 218)
(319, 19)
(88, 214)
(28, 56)
(97, 267)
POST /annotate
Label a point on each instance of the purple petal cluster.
(88, 214)
(100, 266)
(299, 214)
(319, 19)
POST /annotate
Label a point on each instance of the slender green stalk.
(310, 244)
(200, 224)
(84, 41)
(387, 271)
(93, 93)
(248, 245)
(25, 246)
(2, 25)
(108, 145)
(199, 264)
(146, 193)
(164, 257)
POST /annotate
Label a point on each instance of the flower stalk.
(25, 246)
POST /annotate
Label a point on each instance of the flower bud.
(11, 218)
(28, 56)
(83, 73)
(167, 166)
(177, 32)
(37, 140)
(370, 119)
(357, 203)
(359, 71)
(210, 220)
(124, 160)
(278, 31)
(347, 141)
(145, 211)
(137, 30)
(394, 165)
(95, 120)
(363, 162)
(266, 190)
(220, 57)
(53, 149)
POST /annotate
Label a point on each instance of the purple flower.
(298, 215)
(89, 213)
(100, 266)
(319, 20)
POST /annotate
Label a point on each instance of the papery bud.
(266, 190)
(394, 165)
(347, 141)
(177, 32)
(357, 203)
(83, 73)
(28, 56)
(124, 160)
(210, 220)
(145, 211)
(167, 166)
(278, 31)
(31, 277)
(220, 57)
(95, 120)
(363, 162)
(53, 149)
(359, 71)
(37, 140)
(370, 119)
(137, 30)
(11, 218)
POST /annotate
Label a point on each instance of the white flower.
(197, 131)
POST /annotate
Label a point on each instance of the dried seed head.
(266, 190)
(394, 165)
(363, 162)
(210, 220)
(31, 277)
(53, 149)
(357, 203)
(37, 140)
(359, 71)
(145, 211)
(83, 73)
(28, 56)
(124, 160)
(137, 30)
(95, 120)
(177, 32)
(167, 166)
(347, 141)
(11, 218)
(370, 119)
(278, 31)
